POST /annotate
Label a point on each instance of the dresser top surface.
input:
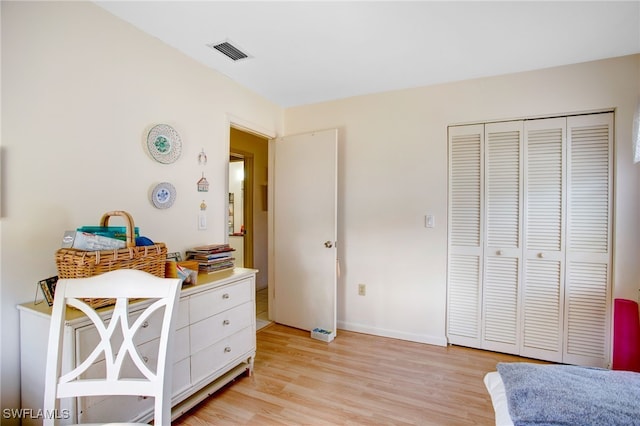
(205, 281)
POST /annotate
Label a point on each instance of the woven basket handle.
(131, 242)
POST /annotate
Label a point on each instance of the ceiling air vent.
(229, 50)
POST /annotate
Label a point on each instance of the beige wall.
(393, 171)
(80, 90)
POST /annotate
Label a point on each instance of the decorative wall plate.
(164, 143)
(163, 195)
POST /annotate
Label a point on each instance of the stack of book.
(212, 257)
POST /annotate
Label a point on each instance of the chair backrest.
(116, 330)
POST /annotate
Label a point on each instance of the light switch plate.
(429, 221)
(202, 221)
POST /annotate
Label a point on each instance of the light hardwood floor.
(357, 379)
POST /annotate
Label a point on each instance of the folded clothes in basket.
(91, 242)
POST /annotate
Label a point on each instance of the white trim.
(394, 334)
(636, 134)
(536, 117)
(249, 127)
(269, 134)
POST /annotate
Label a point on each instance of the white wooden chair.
(122, 285)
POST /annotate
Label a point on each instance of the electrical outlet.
(362, 290)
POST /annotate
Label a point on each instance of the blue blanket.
(540, 394)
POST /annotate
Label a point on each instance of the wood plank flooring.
(357, 379)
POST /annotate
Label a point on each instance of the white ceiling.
(305, 52)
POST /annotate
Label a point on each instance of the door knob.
(328, 244)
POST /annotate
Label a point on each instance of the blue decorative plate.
(163, 195)
(164, 144)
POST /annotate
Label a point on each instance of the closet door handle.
(500, 252)
(541, 255)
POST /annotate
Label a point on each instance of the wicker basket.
(74, 263)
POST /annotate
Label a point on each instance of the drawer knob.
(225, 322)
(227, 349)
(145, 324)
(225, 296)
(145, 359)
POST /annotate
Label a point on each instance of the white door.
(544, 243)
(466, 206)
(589, 229)
(305, 172)
(503, 237)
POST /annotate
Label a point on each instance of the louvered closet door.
(588, 294)
(503, 250)
(465, 235)
(544, 223)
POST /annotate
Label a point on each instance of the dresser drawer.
(114, 409)
(211, 302)
(181, 379)
(208, 361)
(97, 408)
(118, 408)
(148, 352)
(130, 408)
(182, 317)
(181, 344)
(208, 331)
(87, 337)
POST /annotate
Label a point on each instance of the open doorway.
(248, 210)
(239, 236)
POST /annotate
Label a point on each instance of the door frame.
(246, 126)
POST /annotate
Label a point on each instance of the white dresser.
(215, 342)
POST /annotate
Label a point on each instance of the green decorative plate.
(164, 144)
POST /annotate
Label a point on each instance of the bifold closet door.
(530, 225)
(502, 241)
(587, 313)
(544, 225)
(464, 269)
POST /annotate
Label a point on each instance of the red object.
(626, 336)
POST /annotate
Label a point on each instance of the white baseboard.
(411, 337)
